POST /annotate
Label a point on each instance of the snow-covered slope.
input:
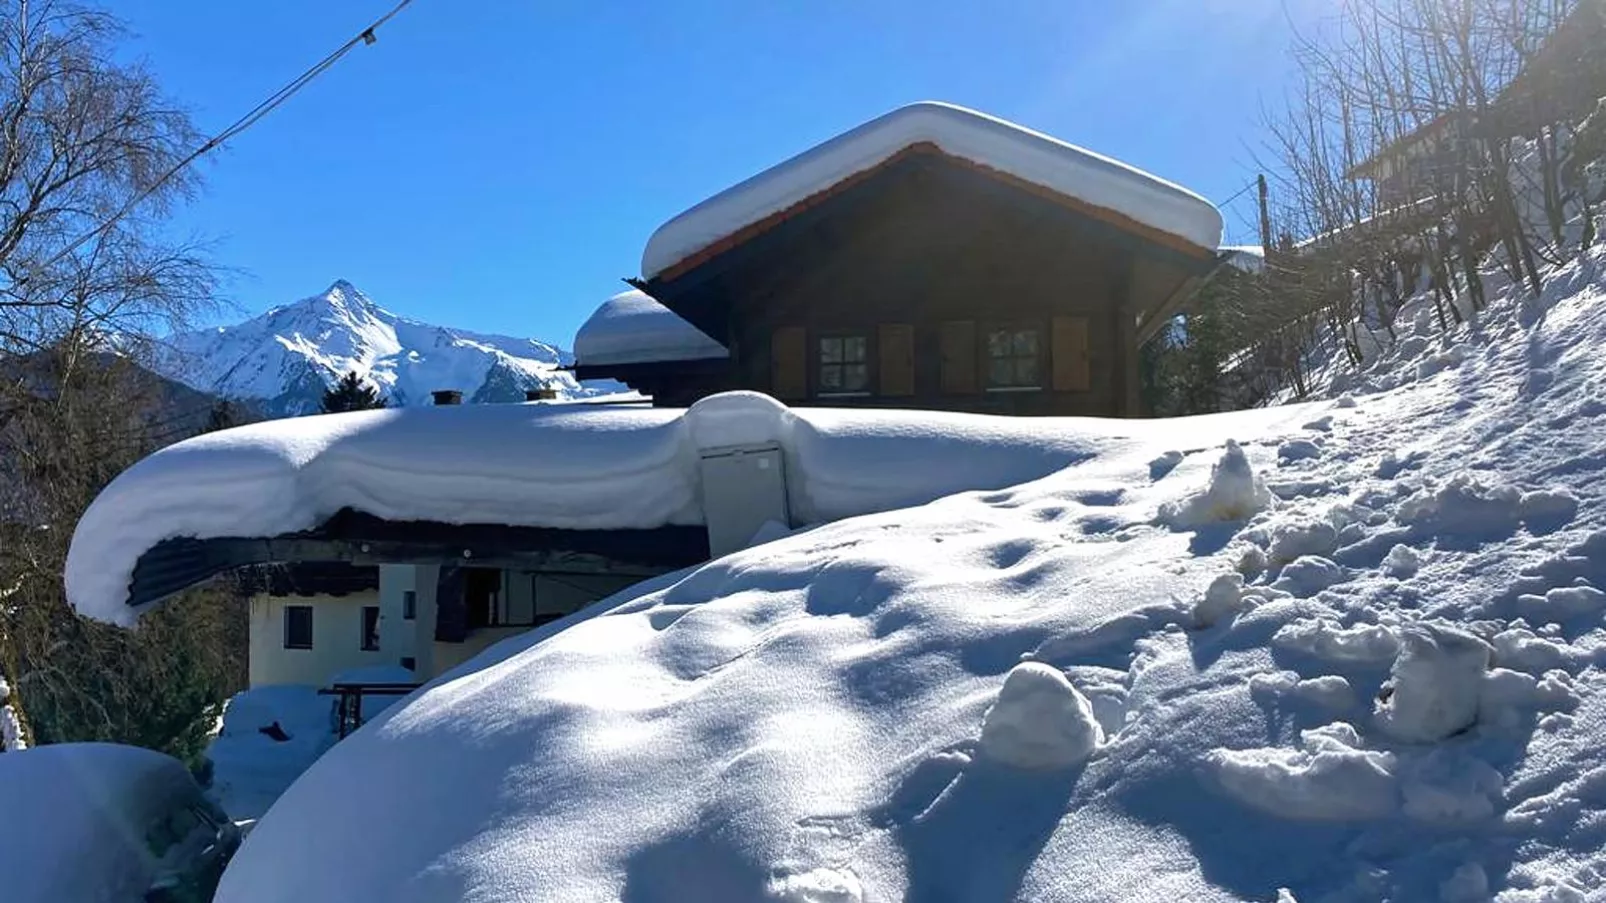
(1357, 654)
(288, 356)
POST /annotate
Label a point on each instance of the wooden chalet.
(965, 268)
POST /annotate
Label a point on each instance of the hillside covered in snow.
(1346, 650)
(286, 358)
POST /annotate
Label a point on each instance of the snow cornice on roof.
(1094, 183)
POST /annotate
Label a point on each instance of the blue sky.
(498, 166)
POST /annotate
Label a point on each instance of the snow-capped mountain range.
(284, 359)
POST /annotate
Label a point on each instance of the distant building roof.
(632, 328)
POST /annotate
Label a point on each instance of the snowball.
(1521, 650)
(1468, 884)
(1434, 686)
(1322, 424)
(1298, 450)
(1303, 537)
(1164, 464)
(1329, 779)
(1329, 691)
(1548, 505)
(1345, 401)
(1040, 721)
(1235, 492)
(1464, 505)
(1222, 600)
(1361, 644)
(822, 885)
(1402, 561)
(1562, 603)
(1309, 575)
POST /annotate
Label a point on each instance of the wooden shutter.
(959, 357)
(897, 359)
(1071, 372)
(789, 362)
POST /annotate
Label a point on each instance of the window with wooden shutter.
(789, 372)
(897, 364)
(1071, 371)
(959, 357)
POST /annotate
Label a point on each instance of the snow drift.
(809, 719)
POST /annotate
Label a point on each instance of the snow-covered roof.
(632, 328)
(1249, 258)
(562, 466)
(1009, 148)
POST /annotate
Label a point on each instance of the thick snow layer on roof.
(809, 720)
(75, 816)
(632, 328)
(568, 466)
(1004, 146)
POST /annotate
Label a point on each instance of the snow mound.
(1235, 492)
(1004, 146)
(633, 328)
(1040, 721)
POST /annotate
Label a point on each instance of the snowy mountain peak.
(285, 358)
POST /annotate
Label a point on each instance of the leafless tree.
(88, 146)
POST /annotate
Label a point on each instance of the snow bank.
(251, 769)
(1040, 721)
(1004, 146)
(632, 328)
(75, 816)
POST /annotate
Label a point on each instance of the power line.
(1239, 193)
(366, 36)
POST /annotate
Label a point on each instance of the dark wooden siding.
(925, 260)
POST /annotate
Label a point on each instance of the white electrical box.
(744, 487)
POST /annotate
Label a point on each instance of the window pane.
(831, 377)
(856, 377)
(855, 348)
(370, 628)
(830, 351)
(298, 627)
(1026, 372)
(998, 344)
(1026, 342)
(409, 605)
(999, 371)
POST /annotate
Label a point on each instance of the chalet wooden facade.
(929, 281)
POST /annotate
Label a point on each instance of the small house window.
(844, 364)
(409, 662)
(409, 605)
(370, 628)
(1014, 358)
(298, 627)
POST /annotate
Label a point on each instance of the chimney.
(540, 394)
(446, 396)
